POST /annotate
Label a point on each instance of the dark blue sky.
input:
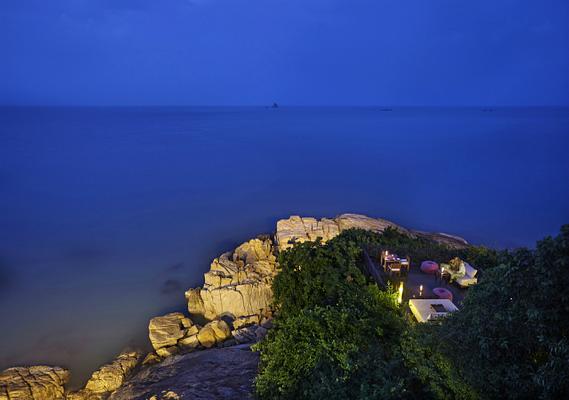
(303, 52)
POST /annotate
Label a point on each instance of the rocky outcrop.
(175, 333)
(238, 283)
(302, 229)
(225, 373)
(165, 332)
(33, 383)
(109, 377)
(298, 230)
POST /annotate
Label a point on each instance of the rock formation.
(33, 383)
(301, 229)
(108, 378)
(165, 332)
(226, 373)
(238, 283)
(174, 333)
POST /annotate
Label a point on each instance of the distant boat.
(386, 109)
(487, 109)
(275, 105)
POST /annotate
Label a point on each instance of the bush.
(336, 337)
(510, 338)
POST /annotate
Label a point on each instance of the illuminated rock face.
(238, 283)
(175, 333)
(108, 378)
(33, 383)
(304, 229)
(214, 332)
(165, 331)
(298, 230)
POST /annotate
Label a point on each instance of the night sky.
(296, 52)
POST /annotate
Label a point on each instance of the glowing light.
(400, 295)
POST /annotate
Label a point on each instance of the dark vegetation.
(338, 336)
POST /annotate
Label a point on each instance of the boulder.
(151, 358)
(238, 283)
(167, 351)
(214, 332)
(192, 331)
(33, 383)
(245, 334)
(190, 342)
(221, 330)
(109, 377)
(246, 321)
(165, 331)
(195, 302)
(206, 337)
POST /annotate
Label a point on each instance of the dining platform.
(422, 285)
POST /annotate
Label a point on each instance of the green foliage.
(337, 337)
(510, 339)
(312, 274)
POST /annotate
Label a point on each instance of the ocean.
(108, 215)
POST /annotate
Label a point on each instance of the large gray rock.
(33, 383)
(165, 331)
(225, 373)
(109, 377)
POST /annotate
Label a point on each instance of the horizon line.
(384, 106)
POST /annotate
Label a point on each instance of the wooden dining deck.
(412, 281)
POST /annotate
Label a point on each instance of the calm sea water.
(109, 214)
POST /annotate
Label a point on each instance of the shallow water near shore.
(109, 214)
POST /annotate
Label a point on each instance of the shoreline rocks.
(109, 377)
(235, 301)
(238, 284)
(165, 331)
(36, 382)
(175, 333)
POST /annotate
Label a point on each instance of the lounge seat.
(469, 278)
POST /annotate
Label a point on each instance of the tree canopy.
(338, 336)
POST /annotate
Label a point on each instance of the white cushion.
(466, 281)
(471, 272)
